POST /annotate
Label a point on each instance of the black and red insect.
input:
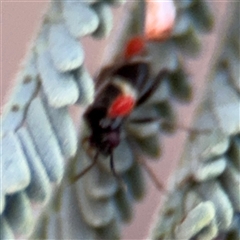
(122, 88)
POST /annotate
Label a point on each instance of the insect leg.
(152, 86)
(103, 75)
(152, 176)
(82, 173)
(119, 179)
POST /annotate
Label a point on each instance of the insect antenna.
(115, 174)
(82, 173)
(166, 124)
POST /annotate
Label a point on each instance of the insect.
(122, 88)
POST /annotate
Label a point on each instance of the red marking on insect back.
(134, 47)
(121, 106)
